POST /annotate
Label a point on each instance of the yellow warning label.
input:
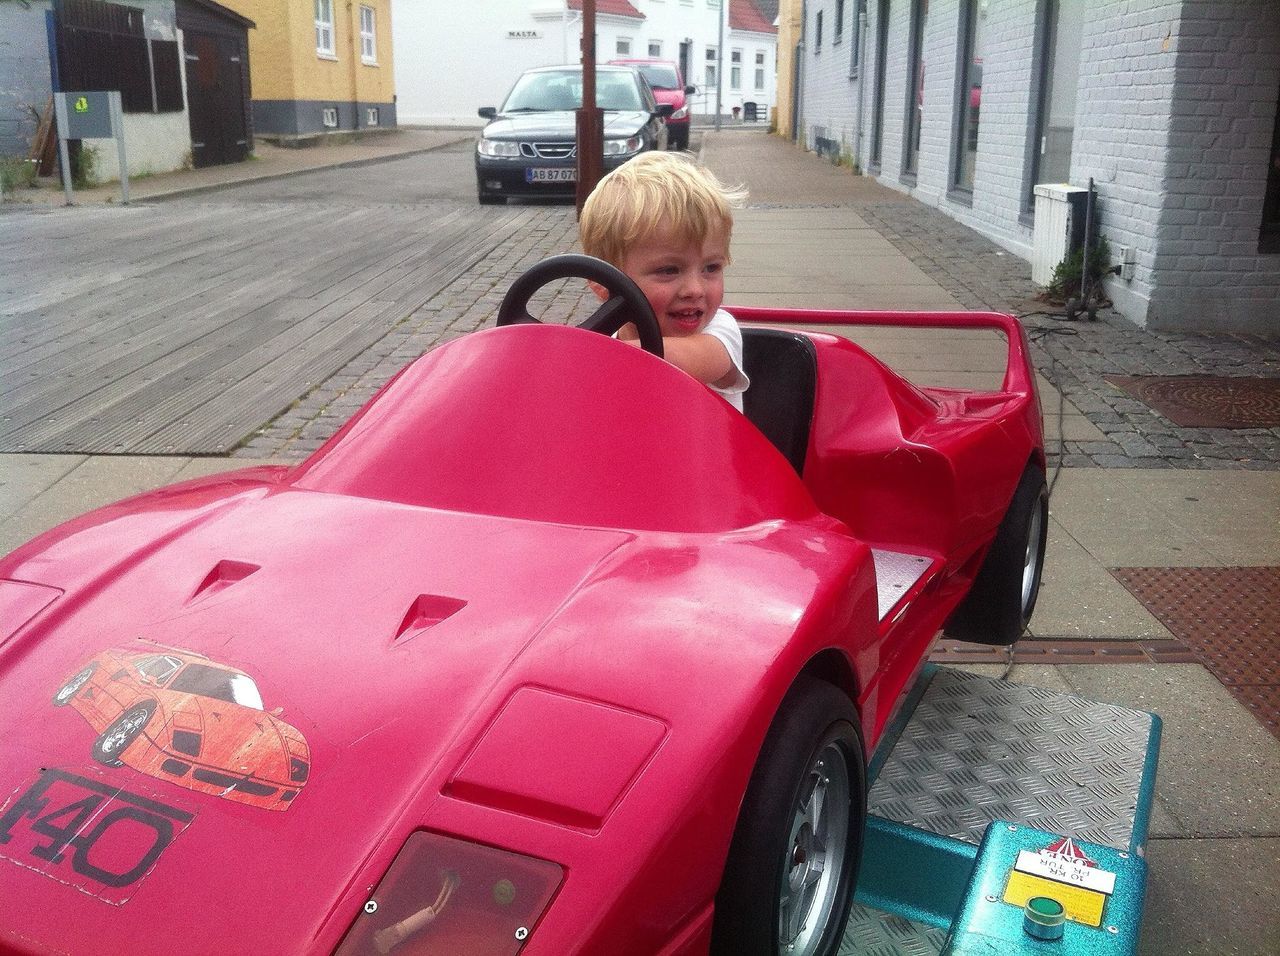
(1083, 906)
(82, 104)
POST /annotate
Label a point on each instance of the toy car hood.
(441, 638)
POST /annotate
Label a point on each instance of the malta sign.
(524, 34)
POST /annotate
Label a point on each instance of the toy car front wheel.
(678, 137)
(789, 877)
(999, 605)
(489, 199)
(122, 731)
(72, 687)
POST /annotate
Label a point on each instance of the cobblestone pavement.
(1074, 356)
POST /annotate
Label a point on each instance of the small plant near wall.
(16, 173)
(84, 167)
(1067, 275)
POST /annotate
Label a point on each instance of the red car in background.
(668, 87)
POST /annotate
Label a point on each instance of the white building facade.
(1170, 106)
(455, 57)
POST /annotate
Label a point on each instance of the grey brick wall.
(1175, 107)
(1206, 266)
(24, 74)
(831, 110)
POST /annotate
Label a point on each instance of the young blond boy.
(666, 223)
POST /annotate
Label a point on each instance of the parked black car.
(528, 149)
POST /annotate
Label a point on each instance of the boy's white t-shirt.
(725, 328)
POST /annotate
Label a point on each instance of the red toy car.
(586, 661)
(668, 87)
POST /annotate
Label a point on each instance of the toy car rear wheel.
(1003, 597)
(121, 732)
(67, 692)
(789, 877)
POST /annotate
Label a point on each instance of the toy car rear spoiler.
(1019, 375)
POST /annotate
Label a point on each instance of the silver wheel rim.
(816, 845)
(72, 687)
(120, 737)
(1032, 559)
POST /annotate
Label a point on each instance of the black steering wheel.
(626, 303)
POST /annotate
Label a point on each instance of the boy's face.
(683, 280)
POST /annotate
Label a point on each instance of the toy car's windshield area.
(556, 424)
(206, 681)
(562, 90)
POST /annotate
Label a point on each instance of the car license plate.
(560, 174)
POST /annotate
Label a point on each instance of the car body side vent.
(224, 574)
(425, 612)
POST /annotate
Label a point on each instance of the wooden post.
(590, 120)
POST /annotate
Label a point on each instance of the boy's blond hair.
(655, 189)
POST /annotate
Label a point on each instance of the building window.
(368, 37)
(837, 34)
(1269, 238)
(711, 66)
(915, 87)
(623, 46)
(760, 69)
(324, 27)
(655, 49)
(735, 69)
(877, 103)
(371, 116)
(817, 32)
(1059, 78)
(329, 117)
(969, 102)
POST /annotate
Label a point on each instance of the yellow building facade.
(790, 30)
(319, 66)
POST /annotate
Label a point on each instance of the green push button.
(1043, 918)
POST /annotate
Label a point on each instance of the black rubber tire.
(121, 732)
(999, 606)
(67, 692)
(813, 716)
(678, 139)
(488, 199)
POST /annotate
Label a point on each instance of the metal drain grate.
(1229, 617)
(1207, 401)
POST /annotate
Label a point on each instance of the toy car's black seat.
(783, 368)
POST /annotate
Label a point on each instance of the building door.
(215, 99)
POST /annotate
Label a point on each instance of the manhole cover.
(1207, 401)
(1229, 617)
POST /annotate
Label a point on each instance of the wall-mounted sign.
(524, 34)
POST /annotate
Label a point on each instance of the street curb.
(271, 177)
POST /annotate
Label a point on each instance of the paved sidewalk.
(1134, 491)
(268, 162)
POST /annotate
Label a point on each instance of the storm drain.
(1229, 618)
(1207, 401)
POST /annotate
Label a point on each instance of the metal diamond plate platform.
(896, 573)
(977, 750)
(871, 932)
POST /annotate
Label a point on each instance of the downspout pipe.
(862, 70)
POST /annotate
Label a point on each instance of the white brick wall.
(1174, 114)
(1208, 273)
(831, 110)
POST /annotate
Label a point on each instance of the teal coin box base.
(988, 926)
(986, 795)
